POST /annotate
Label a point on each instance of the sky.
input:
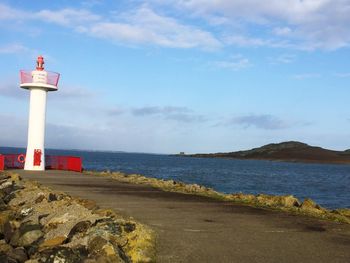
(169, 76)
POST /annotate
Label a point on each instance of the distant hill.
(286, 151)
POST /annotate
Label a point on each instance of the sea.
(326, 184)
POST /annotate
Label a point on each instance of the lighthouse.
(38, 82)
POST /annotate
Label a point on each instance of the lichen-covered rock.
(343, 212)
(64, 255)
(278, 201)
(241, 197)
(310, 206)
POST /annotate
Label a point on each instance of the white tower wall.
(36, 129)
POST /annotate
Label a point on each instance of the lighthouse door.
(37, 157)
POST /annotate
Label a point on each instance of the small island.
(291, 151)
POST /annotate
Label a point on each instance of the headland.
(291, 151)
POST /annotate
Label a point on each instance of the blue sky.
(170, 76)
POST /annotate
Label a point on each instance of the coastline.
(194, 228)
(287, 203)
(38, 224)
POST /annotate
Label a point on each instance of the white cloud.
(307, 76)
(310, 24)
(283, 59)
(13, 48)
(144, 26)
(264, 121)
(342, 75)
(235, 63)
(139, 26)
(180, 114)
(282, 31)
(66, 17)
(9, 13)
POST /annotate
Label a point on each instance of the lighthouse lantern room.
(38, 82)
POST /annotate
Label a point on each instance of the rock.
(60, 220)
(26, 211)
(108, 225)
(310, 206)
(6, 185)
(110, 254)
(29, 238)
(5, 248)
(289, 201)
(5, 216)
(19, 254)
(9, 229)
(103, 251)
(343, 212)
(64, 255)
(40, 198)
(96, 244)
(241, 197)
(9, 197)
(278, 201)
(3, 205)
(129, 227)
(5, 259)
(80, 227)
(26, 235)
(15, 177)
(52, 197)
(54, 242)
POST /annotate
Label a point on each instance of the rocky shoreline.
(286, 203)
(39, 225)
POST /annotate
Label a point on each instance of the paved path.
(197, 229)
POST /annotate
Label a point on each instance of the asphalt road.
(198, 229)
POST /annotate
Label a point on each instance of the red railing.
(2, 165)
(52, 162)
(69, 163)
(12, 161)
(52, 77)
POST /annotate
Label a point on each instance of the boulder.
(19, 254)
(26, 235)
(5, 216)
(29, 238)
(310, 206)
(10, 228)
(52, 197)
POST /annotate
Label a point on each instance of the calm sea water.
(328, 185)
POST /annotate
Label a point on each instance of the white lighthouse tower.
(38, 82)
